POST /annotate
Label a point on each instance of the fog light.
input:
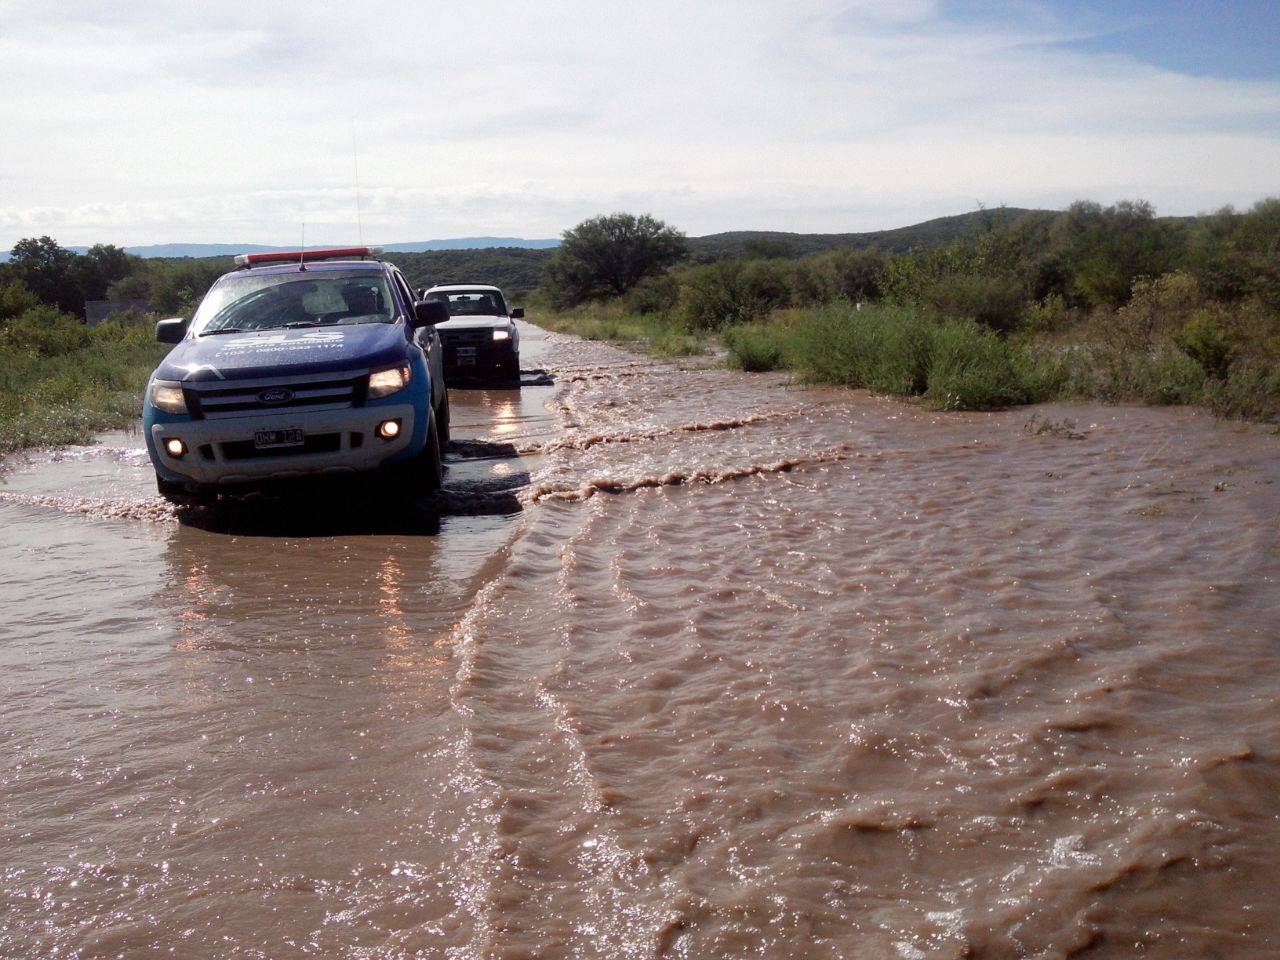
(389, 429)
(175, 447)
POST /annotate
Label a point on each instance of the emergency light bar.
(306, 256)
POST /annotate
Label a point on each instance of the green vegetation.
(952, 364)
(607, 256)
(983, 310)
(1111, 303)
(62, 382)
(650, 333)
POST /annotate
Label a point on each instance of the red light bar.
(306, 256)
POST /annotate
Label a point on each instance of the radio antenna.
(302, 251)
(355, 165)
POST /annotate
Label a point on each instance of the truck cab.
(300, 364)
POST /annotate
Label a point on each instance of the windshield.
(245, 304)
(473, 303)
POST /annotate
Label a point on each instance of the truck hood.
(284, 353)
(473, 323)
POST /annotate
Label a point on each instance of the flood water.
(683, 663)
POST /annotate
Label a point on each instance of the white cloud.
(156, 122)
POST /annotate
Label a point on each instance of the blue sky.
(1237, 40)
(154, 122)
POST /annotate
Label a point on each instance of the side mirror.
(427, 313)
(171, 330)
(517, 313)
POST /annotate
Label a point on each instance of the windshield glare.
(473, 303)
(296, 300)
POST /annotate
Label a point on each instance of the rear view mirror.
(171, 330)
(427, 313)
(517, 313)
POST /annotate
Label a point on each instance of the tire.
(424, 473)
(180, 496)
(510, 369)
(442, 421)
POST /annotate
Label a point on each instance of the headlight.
(167, 397)
(502, 334)
(383, 383)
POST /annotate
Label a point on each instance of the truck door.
(428, 338)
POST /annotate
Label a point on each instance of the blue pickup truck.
(300, 364)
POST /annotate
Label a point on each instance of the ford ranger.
(299, 364)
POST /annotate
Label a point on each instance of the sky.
(147, 122)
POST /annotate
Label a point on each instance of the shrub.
(955, 365)
(995, 300)
(45, 331)
(852, 275)
(970, 368)
(1048, 315)
(735, 291)
(755, 347)
(1251, 390)
(15, 300)
(658, 295)
(1206, 339)
(1159, 304)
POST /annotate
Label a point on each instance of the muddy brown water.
(683, 663)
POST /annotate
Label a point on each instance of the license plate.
(466, 351)
(466, 361)
(266, 439)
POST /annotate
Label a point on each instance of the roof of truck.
(323, 266)
(464, 286)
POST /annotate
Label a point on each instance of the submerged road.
(684, 662)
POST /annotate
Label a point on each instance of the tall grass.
(953, 365)
(61, 382)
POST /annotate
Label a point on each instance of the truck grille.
(454, 338)
(322, 393)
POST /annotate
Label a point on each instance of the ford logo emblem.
(275, 395)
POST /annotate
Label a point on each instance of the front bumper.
(338, 441)
(464, 354)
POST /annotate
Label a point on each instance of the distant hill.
(931, 233)
(519, 270)
(516, 269)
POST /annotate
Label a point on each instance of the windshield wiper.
(214, 333)
(294, 325)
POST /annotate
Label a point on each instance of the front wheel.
(510, 369)
(442, 421)
(424, 473)
(180, 496)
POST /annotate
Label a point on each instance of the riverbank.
(957, 364)
(63, 383)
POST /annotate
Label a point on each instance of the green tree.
(1105, 249)
(1237, 255)
(608, 255)
(100, 267)
(48, 271)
